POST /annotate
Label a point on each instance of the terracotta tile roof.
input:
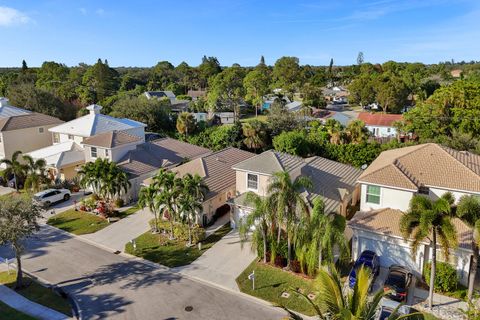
(387, 222)
(29, 120)
(379, 119)
(429, 165)
(110, 139)
(216, 168)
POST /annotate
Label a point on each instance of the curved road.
(110, 286)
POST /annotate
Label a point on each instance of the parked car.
(387, 308)
(51, 196)
(398, 281)
(367, 259)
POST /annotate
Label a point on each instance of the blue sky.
(143, 32)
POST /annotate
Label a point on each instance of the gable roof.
(161, 153)
(27, 120)
(160, 94)
(111, 139)
(429, 165)
(387, 222)
(379, 119)
(269, 162)
(95, 123)
(61, 154)
(6, 110)
(215, 168)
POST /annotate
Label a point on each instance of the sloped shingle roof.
(28, 120)
(270, 162)
(111, 139)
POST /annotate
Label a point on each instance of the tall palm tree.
(428, 220)
(357, 132)
(337, 302)
(468, 209)
(260, 218)
(335, 131)
(166, 199)
(146, 199)
(289, 204)
(114, 180)
(255, 135)
(35, 171)
(14, 167)
(185, 123)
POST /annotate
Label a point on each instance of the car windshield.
(385, 313)
(396, 280)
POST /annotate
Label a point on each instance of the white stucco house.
(388, 185)
(381, 125)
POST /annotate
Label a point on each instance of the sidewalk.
(443, 307)
(20, 303)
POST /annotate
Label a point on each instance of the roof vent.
(94, 109)
(4, 102)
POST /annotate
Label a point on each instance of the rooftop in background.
(95, 123)
(6, 110)
(160, 94)
(429, 165)
(195, 94)
(111, 139)
(379, 119)
(27, 120)
(161, 153)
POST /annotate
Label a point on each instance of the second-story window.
(56, 138)
(41, 130)
(93, 152)
(373, 194)
(252, 181)
(106, 153)
(70, 137)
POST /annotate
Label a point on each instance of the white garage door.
(389, 253)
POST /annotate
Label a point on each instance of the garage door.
(389, 253)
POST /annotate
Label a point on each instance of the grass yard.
(251, 117)
(172, 253)
(271, 282)
(8, 313)
(77, 222)
(37, 293)
(129, 211)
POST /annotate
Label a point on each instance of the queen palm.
(335, 130)
(428, 220)
(260, 218)
(288, 203)
(14, 167)
(146, 199)
(357, 132)
(114, 180)
(35, 171)
(255, 135)
(468, 209)
(167, 197)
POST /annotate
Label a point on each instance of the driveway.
(116, 235)
(222, 263)
(110, 286)
(6, 190)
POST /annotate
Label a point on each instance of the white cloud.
(11, 17)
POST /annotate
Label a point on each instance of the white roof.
(95, 123)
(6, 110)
(60, 155)
(293, 106)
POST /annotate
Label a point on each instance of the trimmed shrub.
(119, 202)
(446, 278)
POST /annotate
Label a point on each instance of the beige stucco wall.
(25, 140)
(114, 154)
(68, 173)
(241, 179)
(212, 204)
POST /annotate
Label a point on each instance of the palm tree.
(335, 130)
(185, 123)
(429, 220)
(114, 180)
(289, 204)
(35, 171)
(468, 209)
(260, 218)
(146, 198)
(166, 199)
(339, 303)
(255, 135)
(14, 167)
(357, 132)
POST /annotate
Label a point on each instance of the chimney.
(94, 109)
(4, 102)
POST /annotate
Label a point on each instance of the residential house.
(381, 125)
(200, 116)
(268, 100)
(68, 151)
(22, 130)
(217, 173)
(388, 185)
(294, 106)
(323, 115)
(196, 94)
(160, 94)
(225, 117)
(334, 182)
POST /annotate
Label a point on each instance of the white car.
(50, 196)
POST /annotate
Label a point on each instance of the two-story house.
(334, 182)
(388, 185)
(69, 151)
(22, 130)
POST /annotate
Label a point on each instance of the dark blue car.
(367, 259)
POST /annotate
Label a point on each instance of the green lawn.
(129, 211)
(271, 282)
(8, 313)
(250, 117)
(172, 253)
(77, 222)
(37, 293)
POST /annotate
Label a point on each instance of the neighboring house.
(146, 159)
(456, 73)
(112, 145)
(268, 100)
(294, 106)
(323, 115)
(196, 94)
(160, 94)
(334, 182)
(217, 173)
(22, 130)
(381, 125)
(388, 185)
(69, 138)
(200, 116)
(225, 117)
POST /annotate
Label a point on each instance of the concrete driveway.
(222, 263)
(6, 190)
(109, 286)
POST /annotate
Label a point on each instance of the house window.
(373, 194)
(252, 181)
(56, 138)
(106, 153)
(388, 130)
(424, 190)
(41, 130)
(93, 152)
(70, 137)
